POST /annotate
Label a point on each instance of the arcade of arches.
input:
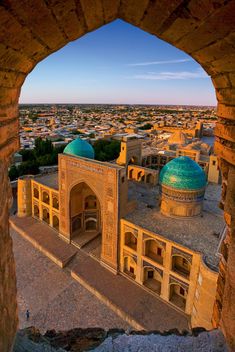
(32, 30)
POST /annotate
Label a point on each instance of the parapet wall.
(99, 340)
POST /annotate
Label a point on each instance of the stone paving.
(141, 308)
(44, 238)
(138, 307)
(54, 299)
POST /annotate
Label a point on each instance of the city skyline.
(138, 69)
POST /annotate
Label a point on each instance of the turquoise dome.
(183, 173)
(79, 147)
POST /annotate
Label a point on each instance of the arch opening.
(130, 267)
(181, 266)
(131, 240)
(178, 296)
(45, 197)
(154, 250)
(36, 211)
(85, 212)
(55, 222)
(152, 279)
(46, 215)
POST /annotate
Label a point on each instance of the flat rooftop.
(49, 180)
(200, 234)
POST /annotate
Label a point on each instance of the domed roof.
(178, 137)
(183, 173)
(79, 147)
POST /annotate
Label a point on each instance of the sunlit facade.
(161, 237)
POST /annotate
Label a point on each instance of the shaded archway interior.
(85, 211)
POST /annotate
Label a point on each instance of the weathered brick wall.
(8, 306)
(32, 29)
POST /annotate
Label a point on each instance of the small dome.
(183, 173)
(178, 137)
(79, 147)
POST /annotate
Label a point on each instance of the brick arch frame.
(32, 30)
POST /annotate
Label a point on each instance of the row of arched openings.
(46, 198)
(152, 279)
(46, 216)
(155, 251)
(141, 176)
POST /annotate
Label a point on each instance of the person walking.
(27, 314)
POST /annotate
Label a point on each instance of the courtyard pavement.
(54, 299)
(47, 289)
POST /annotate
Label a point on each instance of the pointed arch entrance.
(85, 213)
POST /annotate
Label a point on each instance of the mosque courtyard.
(57, 301)
(54, 299)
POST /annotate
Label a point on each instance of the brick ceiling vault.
(30, 30)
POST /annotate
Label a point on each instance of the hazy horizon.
(135, 104)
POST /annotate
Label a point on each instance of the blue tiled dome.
(183, 173)
(79, 147)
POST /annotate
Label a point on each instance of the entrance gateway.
(90, 197)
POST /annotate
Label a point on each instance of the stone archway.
(178, 296)
(85, 211)
(32, 30)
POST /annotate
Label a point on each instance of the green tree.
(28, 167)
(42, 147)
(147, 126)
(27, 154)
(76, 132)
(106, 150)
(13, 173)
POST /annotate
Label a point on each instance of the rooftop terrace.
(200, 234)
(49, 180)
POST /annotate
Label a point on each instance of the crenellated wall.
(30, 30)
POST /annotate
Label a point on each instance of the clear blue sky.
(118, 63)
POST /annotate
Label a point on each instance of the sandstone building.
(204, 30)
(165, 241)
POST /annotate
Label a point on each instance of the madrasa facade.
(160, 230)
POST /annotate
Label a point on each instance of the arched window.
(36, 211)
(178, 296)
(152, 279)
(90, 202)
(139, 175)
(45, 197)
(181, 265)
(154, 250)
(130, 240)
(55, 202)
(35, 193)
(46, 216)
(130, 266)
(131, 174)
(55, 222)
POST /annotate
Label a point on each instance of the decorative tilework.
(183, 173)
